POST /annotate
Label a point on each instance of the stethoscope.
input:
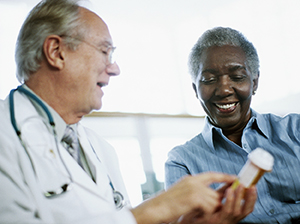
(118, 197)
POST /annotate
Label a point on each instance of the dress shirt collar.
(257, 121)
(260, 123)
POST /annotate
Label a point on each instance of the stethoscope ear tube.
(32, 96)
(12, 112)
(39, 102)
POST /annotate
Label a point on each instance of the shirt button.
(272, 211)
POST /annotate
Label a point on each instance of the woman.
(225, 70)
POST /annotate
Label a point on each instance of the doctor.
(64, 58)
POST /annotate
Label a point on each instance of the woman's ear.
(255, 84)
(54, 51)
(195, 89)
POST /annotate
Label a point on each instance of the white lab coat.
(26, 174)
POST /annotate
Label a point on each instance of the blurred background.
(151, 107)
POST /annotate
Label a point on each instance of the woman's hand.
(237, 204)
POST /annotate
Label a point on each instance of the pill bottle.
(259, 161)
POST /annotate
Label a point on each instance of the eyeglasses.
(106, 50)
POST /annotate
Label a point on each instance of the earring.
(254, 92)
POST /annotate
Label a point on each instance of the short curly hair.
(220, 36)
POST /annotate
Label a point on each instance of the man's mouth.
(101, 84)
(229, 106)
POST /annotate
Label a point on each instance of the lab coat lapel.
(81, 178)
(98, 170)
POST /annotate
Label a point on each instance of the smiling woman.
(225, 70)
(225, 86)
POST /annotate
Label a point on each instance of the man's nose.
(113, 69)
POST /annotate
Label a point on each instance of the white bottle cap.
(262, 159)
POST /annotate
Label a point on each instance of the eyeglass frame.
(108, 53)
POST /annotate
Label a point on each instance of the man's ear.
(195, 89)
(255, 83)
(54, 51)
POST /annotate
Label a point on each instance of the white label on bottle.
(248, 174)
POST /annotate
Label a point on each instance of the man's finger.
(212, 177)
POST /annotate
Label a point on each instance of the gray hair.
(58, 17)
(221, 36)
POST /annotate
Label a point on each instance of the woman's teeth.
(225, 106)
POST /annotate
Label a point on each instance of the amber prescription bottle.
(259, 161)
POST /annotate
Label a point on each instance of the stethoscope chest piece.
(119, 200)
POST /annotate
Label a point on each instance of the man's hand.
(191, 195)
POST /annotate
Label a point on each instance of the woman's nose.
(224, 86)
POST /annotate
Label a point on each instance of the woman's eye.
(208, 80)
(237, 78)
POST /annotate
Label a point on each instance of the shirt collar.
(259, 122)
(207, 133)
(60, 124)
(256, 121)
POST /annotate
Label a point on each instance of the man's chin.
(98, 106)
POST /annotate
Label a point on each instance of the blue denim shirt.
(278, 191)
